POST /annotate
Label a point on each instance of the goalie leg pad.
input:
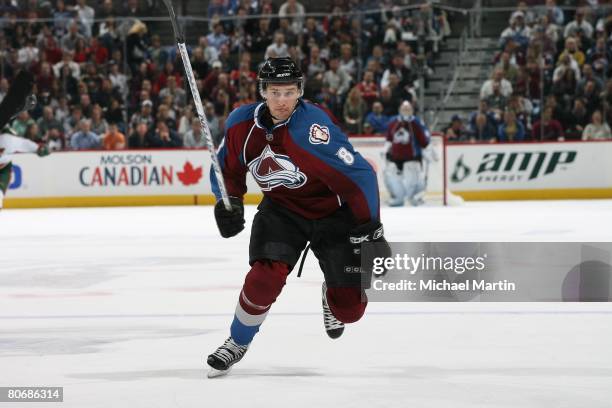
(414, 180)
(393, 181)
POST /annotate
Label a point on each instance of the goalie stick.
(204, 129)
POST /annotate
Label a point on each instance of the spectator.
(368, 88)
(262, 38)
(547, 128)
(138, 139)
(510, 69)
(217, 38)
(553, 12)
(497, 102)
(61, 18)
(388, 102)
(354, 111)
(571, 49)
(483, 130)
(456, 131)
(86, 16)
(223, 84)
(98, 124)
(136, 45)
(177, 95)
(505, 87)
(579, 23)
(517, 31)
(55, 140)
(184, 123)
(296, 11)
(115, 113)
(591, 96)
(86, 105)
(21, 123)
(210, 53)
(599, 56)
(377, 120)
(566, 63)
(347, 62)
(211, 80)
(588, 75)
(397, 67)
(69, 40)
(67, 61)
(483, 107)
(597, 129)
(118, 79)
(157, 54)
(199, 63)
(314, 64)
(47, 122)
(217, 8)
(29, 54)
(193, 137)
(113, 139)
(336, 83)
(166, 114)
(33, 133)
(85, 139)
(278, 48)
(145, 115)
(511, 129)
(214, 123)
(163, 137)
(578, 119)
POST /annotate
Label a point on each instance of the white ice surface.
(120, 306)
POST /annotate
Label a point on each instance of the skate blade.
(213, 372)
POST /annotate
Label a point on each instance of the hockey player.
(316, 189)
(18, 98)
(406, 146)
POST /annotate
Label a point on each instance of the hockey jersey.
(10, 144)
(305, 163)
(407, 138)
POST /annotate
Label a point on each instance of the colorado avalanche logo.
(272, 170)
(318, 134)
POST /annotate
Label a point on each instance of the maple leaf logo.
(189, 175)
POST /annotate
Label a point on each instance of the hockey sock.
(262, 285)
(346, 303)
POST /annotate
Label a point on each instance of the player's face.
(281, 100)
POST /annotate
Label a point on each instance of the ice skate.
(333, 326)
(224, 357)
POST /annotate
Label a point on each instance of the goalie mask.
(406, 112)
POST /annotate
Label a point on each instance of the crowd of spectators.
(106, 80)
(551, 78)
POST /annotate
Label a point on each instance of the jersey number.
(346, 156)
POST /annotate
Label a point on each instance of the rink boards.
(181, 177)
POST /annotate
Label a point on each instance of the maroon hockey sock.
(262, 285)
(346, 303)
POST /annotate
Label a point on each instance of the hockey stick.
(204, 129)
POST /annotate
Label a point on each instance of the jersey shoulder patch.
(319, 134)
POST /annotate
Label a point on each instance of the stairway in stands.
(475, 70)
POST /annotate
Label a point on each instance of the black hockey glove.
(230, 223)
(370, 232)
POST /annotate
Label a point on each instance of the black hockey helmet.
(278, 71)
